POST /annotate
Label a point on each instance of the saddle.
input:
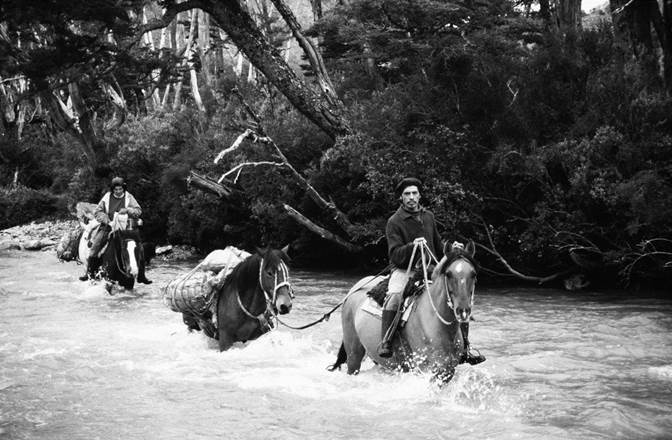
(377, 294)
(414, 286)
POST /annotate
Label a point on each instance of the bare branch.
(238, 168)
(296, 215)
(310, 50)
(168, 16)
(493, 251)
(239, 140)
(209, 185)
(338, 216)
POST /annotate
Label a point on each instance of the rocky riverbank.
(45, 236)
(36, 235)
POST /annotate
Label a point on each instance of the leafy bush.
(20, 205)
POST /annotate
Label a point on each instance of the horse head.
(121, 259)
(458, 271)
(274, 279)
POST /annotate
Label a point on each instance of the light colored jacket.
(131, 205)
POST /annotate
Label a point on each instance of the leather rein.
(269, 298)
(449, 301)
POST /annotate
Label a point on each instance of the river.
(77, 363)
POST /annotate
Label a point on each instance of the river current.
(77, 363)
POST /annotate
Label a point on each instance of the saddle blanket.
(371, 307)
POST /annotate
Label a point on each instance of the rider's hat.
(406, 182)
(117, 181)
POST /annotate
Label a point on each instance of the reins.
(449, 300)
(423, 247)
(327, 315)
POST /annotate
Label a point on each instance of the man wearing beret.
(411, 224)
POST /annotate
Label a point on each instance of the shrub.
(20, 205)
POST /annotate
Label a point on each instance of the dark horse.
(431, 338)
(120, 258)
(255, 291)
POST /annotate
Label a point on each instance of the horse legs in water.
(225, 340)
(354, 350)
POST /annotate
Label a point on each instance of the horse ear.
(285, 249)
(260, 251)
(471, 248)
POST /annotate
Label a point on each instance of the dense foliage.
(554, 151)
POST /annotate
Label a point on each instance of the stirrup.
(144, 280)
(472, 359)
(385, 349)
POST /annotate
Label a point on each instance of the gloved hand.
(123, 211)
(420, 241)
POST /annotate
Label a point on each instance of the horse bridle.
(270, 299)
(449, 299)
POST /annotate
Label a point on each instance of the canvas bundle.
(195, 292)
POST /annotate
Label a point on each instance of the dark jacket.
(403, 227)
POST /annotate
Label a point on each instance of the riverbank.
(36, 236)
(45, 235)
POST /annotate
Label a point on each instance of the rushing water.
(76, 363)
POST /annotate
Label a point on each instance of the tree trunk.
(667, 46)
(242, 29)
(568, 13)
(316, 6)
(545, 11)
(311, 52)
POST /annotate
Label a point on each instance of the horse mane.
(451, 257)
(246, 274)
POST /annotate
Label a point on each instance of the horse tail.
(340, 359)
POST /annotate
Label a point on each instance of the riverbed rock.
(36, 235)
(179, 252)
(7, 245)
(161, 250)
(32, 245)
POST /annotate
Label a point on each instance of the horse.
(255, 291)
(431, 339)
(120, 259)
(118, 250)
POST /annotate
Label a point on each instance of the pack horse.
(243, 292)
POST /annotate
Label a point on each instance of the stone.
(32, 245)
(6, 245)
(160, 250)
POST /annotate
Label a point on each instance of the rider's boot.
(142, 278)
(468, 357)
(141, 275)
(385, 347)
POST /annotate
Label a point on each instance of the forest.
(540, 132)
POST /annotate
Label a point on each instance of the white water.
(76, 363)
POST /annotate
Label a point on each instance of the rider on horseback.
(411, 224)
(117, 201)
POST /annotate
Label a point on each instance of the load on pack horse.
(117, 250)
(430, 337)
(244, 292)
